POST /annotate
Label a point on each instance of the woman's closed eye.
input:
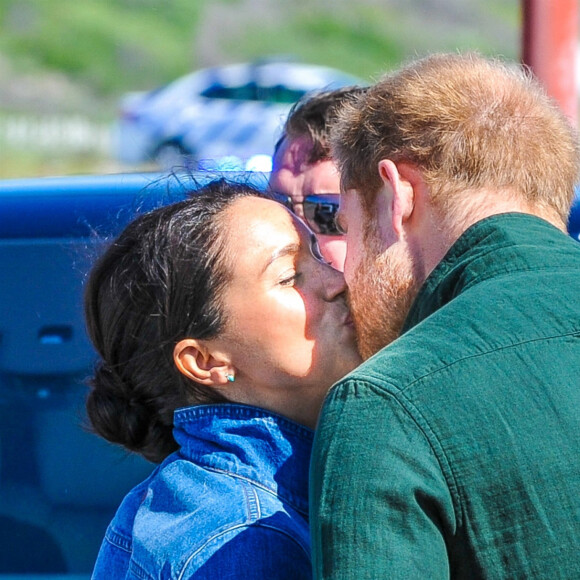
(290, 278)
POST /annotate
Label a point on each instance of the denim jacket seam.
(285, 533)
(257, 484)
(139, 571)
(252, 502)
(236, 527)
(118, 540)
(206, 543)
(121, 542)
(254, 514)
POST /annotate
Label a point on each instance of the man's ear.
(196, 361)
(400, 179)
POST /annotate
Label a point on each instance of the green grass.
(109, 47)
(20, 163)
(112, 46)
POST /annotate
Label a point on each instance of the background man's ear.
(195, 360)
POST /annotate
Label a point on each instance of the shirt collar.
(267, 449)
(489, 248)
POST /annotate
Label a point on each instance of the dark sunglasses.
(319, 211)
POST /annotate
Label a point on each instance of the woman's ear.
(195, 360)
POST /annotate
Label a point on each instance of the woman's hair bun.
(115, 411)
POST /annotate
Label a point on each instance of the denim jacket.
(231, 503)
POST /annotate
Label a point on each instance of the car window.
(279, 94)
(245, 92)
(253, 92)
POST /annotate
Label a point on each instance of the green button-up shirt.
(455, 451)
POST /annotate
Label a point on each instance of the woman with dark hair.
(220, 329)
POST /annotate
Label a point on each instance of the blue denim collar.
(271, 451)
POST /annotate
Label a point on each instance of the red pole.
(549, 45)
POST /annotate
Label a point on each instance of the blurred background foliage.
(67, 57)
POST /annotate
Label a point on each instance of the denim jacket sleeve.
(114, 556)
(255, 553)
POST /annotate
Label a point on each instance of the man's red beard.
(381, 294)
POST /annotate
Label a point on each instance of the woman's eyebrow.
(288, 250)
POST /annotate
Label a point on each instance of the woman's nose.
(334, 284)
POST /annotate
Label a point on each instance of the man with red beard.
(454, 449)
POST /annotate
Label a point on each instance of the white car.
(225, 117)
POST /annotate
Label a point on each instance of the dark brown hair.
(312, 117)
(159, 282)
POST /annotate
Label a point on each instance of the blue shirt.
(231, 503)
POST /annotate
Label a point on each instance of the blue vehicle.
(216, 117)
(59, 484)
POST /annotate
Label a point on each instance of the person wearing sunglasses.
(304, 177)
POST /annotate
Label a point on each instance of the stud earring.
(230, 378)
